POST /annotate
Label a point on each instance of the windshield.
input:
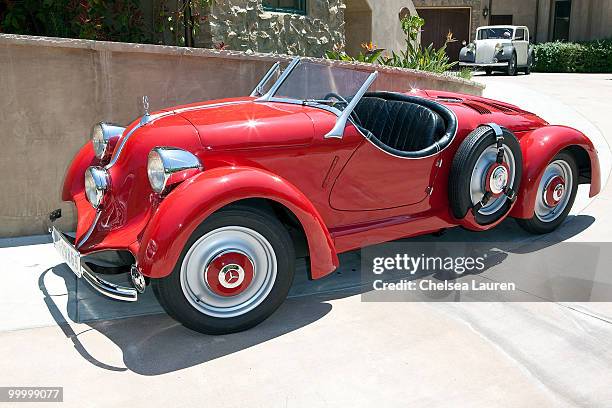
(498, 33)
(324, 84)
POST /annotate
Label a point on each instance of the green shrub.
(580, 57)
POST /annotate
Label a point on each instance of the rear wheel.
(234, 272)
(555, 196)
(528, 67)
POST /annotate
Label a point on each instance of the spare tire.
(485, 174)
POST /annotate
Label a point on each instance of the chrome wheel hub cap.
(553, 197)
(488, 175)
(553, 191)
(498, 179)
(228, 271)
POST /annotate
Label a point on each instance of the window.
(500, 19)
(285, 6)
(563, 9)
(520, 35)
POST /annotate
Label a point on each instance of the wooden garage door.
(438, 21)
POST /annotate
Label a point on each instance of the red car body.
(344, 192)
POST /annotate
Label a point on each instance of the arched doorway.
(357, 25)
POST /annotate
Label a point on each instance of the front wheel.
(235, 271)
(555, 196)
(511, 71)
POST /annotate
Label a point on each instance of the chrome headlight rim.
(499, 48)
(103, 137)
(96, 184)
(167, 166)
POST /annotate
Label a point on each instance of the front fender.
(539, 147)
(180, 213)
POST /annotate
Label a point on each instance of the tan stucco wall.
(245, 26)
(53, 90)
(591, 19)
(376, 21)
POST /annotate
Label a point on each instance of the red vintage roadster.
(207, 202)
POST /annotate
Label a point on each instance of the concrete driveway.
(325, 347)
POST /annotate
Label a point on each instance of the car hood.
(244, 123)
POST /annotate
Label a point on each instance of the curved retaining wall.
(52, 90)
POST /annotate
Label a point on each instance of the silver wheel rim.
(219, 241)
(557, 168)
(479, 174)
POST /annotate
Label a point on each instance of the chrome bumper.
(81, 270)
(476, 64)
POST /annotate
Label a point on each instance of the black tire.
(463, 164)
(512, 70)
(536, 226)
(488, 71)
(528, 67)
(173, 299)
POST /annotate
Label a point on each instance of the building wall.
(522, 11)
(591, 19)
(375, 21)
(245, 26)
(55, 89)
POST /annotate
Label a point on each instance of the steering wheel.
(344, 101)
(336, 96)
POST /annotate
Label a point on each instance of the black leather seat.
(400, 125)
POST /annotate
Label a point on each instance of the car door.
(521, 45)
(374, 180)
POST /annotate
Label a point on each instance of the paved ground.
(330, 348)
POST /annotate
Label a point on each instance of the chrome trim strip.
(90, 230)
(338, 129)
(280, 80)
(258, 89)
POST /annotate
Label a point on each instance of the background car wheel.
(235, 271)
(528, 67)
(479, 170)
(512, 66)
(555, 196)
(488, 71)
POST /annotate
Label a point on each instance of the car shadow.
(156, 344)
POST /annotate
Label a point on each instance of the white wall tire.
(234, 272)
(555, 196)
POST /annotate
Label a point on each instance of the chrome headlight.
(96, 184)
(170, 165)
(104, 136)
(499, 48)
(471, 46)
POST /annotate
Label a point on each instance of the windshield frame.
(512, 30)
(269, 96)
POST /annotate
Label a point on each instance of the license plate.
(71, 256)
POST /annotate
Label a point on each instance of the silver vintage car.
(499, 48)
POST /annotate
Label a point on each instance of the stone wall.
(245, 26)
(52, 90)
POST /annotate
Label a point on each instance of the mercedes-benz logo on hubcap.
(231, 276)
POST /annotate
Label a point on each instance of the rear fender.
(186, 207)
(539, 147)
